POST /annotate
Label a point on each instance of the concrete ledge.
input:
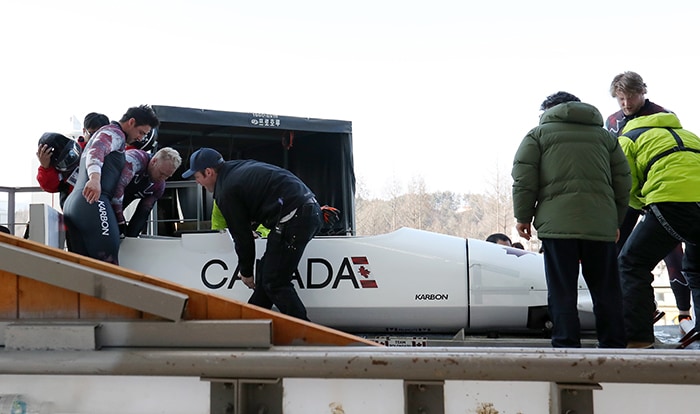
(43, 336)
(94, 334)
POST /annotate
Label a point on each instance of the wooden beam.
(97, 283)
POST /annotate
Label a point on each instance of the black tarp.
(318, 151)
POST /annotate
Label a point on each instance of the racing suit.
(93, 227)
(136, 183)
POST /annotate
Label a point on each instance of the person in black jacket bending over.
(250, 193)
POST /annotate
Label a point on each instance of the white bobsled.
(405, 281)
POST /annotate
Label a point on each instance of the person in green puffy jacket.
(665, 164)
(572, 181)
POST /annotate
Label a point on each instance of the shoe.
(685, 324)
(640, 345)
(658, 314)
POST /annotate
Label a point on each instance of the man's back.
(260, 192)
(577, 173)
(571, 175)
(666, 160)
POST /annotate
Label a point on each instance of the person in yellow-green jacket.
(218, 222)
(664, 161)
(629, 90)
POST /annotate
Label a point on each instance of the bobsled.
(407, 281)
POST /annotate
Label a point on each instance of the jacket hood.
(574, 112)
(660, 120)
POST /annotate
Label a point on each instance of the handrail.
(11, 206)
(582, 366)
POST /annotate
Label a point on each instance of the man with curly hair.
(571, 176)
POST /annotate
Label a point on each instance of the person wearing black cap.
(250, 193)
(59, 156)
(89, 216)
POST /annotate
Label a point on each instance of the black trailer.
(318, 151)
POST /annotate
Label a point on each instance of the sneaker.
(685, 324)
(640, 345)
(658, 314)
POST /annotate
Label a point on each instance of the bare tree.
(417, 207)
(446, 213)
(463, 215)
(499, 199)
(392, 218)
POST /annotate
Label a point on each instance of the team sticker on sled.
(319, 274)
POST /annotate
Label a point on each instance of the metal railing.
(15, 201)
(251, 380)
(14, 206)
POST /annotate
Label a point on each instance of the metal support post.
(570, 398)
(260, 396)
(243, 396)
(11, 200)
(222, 397)
(424, 397)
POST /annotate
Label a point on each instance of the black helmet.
(148, 142)
(66, 152)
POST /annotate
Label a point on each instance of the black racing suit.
(93, 228)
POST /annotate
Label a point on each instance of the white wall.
(112, 394)
(178, 395)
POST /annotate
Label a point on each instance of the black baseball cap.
(201, 159)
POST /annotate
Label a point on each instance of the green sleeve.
(263, 231)
(217, 219)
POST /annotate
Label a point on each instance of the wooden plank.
(8, 295)
(94, 308)
(84, 279)
(287, 330)
(202, 305)
(219, 308)
(38, 300)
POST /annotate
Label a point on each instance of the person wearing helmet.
(88, 213)
(143, 177)
(59, 157)
(148, 143)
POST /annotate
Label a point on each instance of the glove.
(331, 215)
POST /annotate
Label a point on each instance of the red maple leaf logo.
(364, 271)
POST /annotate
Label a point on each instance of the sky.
(441, 91)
